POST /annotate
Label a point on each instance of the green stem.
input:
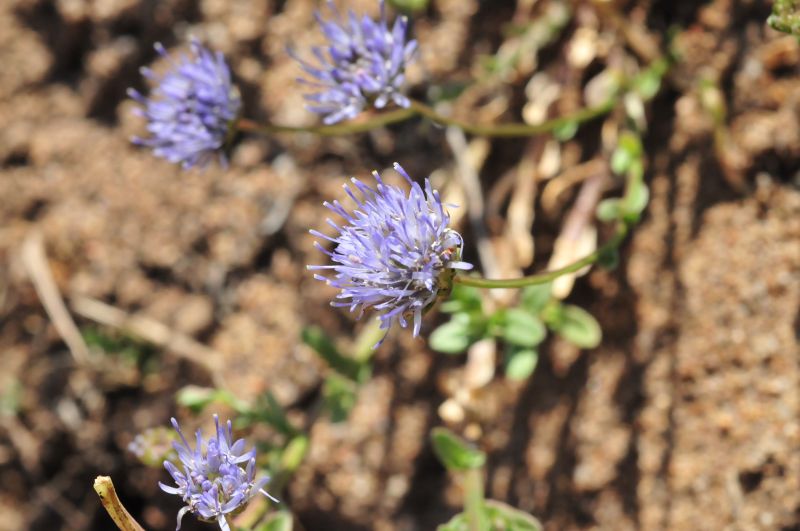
(548, 276)
(418, 108)
(365, 342)
(515, 129)
(473, 499)
(378, 121)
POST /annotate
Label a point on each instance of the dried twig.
(577, 237)
(467, 171)
(566, 180)
(35, 261)
(152, 331)
(108, 496)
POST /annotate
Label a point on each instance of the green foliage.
(627, 159)
(128, 350)
(521, 328)
(574, 324)
(609, 209)
(629, 149)
(648, 82)
(277, 521)
(339, 396)
(10, 398)
(535, 298)
(785, 16)
(566, 130)
(455, 454)
(453, 337)
(409, 6)
(500, 517)
(294, 453)
(315, 337)
(520, 363)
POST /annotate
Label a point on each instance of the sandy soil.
(686, 417)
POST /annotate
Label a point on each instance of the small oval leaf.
(455, 453)
(520, 364)
(452, 337)
(579, 327)
(522, 329)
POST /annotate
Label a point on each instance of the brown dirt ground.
(687, 417)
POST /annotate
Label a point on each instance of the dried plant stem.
(152, 331)
(104, 488)
(35, 261)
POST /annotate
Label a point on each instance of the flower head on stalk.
(396, 252)
(362, 65)
(216, 478)
(190, 111)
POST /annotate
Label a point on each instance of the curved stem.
(418, 108)
(515, 129)
(547, 276)
(380, 120)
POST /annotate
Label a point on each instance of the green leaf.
(636, 198)
(648, 83)
(339, 395)
(455, 453)
(409, 6)
(620, 160)
(566, 130)
(315, 337)
(577, 326)
(609, 209)
(534, 298)
(629, 149)
(453, 337)
(277, 521)
(522, 329)
(463, 299)
(521, 363)
(503, 517)
(500, 516)
(294, 453)
(608, 258)
(268, 410)
(197, 398)
(11, 398)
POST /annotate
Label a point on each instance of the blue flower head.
(216, 478)
(362, 65)
(190, 110)
(395, 253)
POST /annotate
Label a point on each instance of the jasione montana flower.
(362, 65)
(394, 254)
(191, 108)
(216, 478)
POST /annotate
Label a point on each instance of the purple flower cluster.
(363, 64)
(396, 252)
(191, 108)
(216, 478)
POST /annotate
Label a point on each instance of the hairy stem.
(418, 108)
(473, 499)
(379, 120)
(548, 276)
(514, 129)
